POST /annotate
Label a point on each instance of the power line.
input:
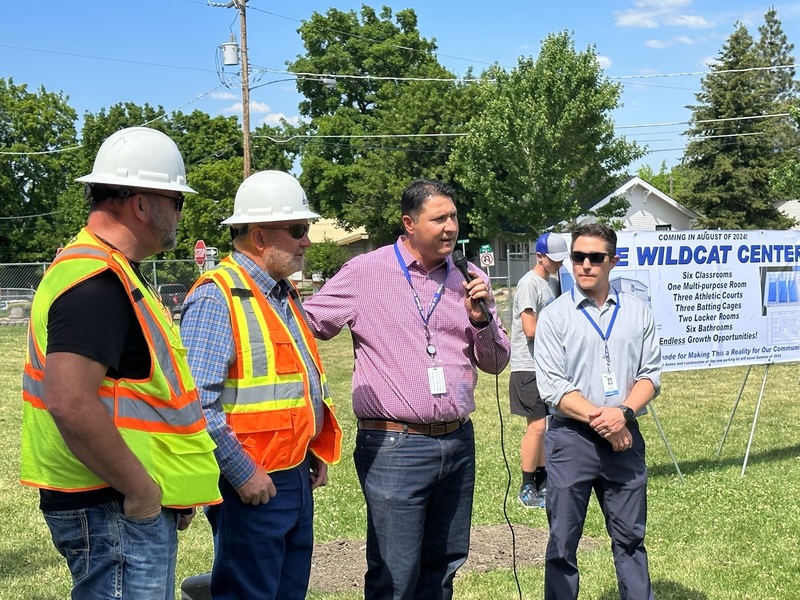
(106, 58)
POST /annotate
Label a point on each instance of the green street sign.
(463, 241)
(486, 248)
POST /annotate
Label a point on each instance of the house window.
(514, 248)
(665, 227)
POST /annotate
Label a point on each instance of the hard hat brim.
(138, 184)
(268, 216)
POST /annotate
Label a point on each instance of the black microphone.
(460, 261)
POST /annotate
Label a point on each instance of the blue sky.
(165, 52)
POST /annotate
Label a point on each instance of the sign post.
(463, 243)
(200, 254)
(487, 258)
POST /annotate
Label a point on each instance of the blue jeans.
(264, 552)
(419, 505)
(113, 556)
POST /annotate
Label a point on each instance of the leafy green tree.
(39, 146)
(542, 148)
(775, 51)
(671, 181)
(356, 167)
(784, 181)
(731, 156)
(325, 257)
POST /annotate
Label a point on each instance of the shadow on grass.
(663, 589)
(16, 565)
(711, 463)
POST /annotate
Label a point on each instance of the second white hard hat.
(269, 197)
(139, 157)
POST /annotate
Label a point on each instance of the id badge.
(610, 384)
(436, 380)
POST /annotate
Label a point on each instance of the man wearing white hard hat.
(535, 290)
(264, 394)
(113, 431)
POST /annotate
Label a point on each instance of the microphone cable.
(460, 261)
(508, 471)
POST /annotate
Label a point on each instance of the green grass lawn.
(717, 536)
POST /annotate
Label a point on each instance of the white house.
(650, 209)
(791, 208)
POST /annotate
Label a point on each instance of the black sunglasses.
(298, 231)
(595, 258)
(178, 200)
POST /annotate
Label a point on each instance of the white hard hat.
(269, 197)
(139, 157)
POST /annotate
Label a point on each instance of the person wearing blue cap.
(535, 290)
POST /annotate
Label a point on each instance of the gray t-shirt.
(535, 293)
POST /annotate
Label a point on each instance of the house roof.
(322, 229)
(638, 181)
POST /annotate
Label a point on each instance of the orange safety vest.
(266, 397)
(159, 418)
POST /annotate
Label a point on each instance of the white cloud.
(708, 61)
(259, 107)
(657, 44)
(682, 40)
(275, 119)
(634, 18)
(223, 96)
(663, 4)
(604, 61)
(255, 108)
(690, 21)
(650, 14)
(235, 108)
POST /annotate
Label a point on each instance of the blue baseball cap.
(553, 246)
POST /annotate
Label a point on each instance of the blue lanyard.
(436, 297)
(597, 327)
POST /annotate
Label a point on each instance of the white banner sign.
(719, 298)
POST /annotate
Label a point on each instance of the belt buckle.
(438, 428)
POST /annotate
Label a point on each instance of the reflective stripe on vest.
(267, 387)
(160, 418)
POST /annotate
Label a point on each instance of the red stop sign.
(200, 252)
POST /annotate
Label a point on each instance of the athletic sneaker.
(530, 498)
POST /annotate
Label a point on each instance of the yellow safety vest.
(266, 397)
(159, 418)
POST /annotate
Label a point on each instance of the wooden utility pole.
(240, 4)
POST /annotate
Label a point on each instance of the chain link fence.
(518, 263)
(18, 283)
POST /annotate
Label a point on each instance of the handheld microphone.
(460, 261)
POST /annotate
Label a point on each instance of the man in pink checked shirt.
(419, 336)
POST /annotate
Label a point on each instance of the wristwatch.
(627, 412)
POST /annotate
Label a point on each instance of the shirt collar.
(410, 261)
(580, 299)
(264, 282)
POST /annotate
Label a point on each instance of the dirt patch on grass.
(340, 565)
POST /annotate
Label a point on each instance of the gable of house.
(649, 208)
(791, 208)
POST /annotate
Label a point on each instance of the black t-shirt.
(96, 319)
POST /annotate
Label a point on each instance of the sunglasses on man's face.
(178, 200)
(298, 231)
(595, 258)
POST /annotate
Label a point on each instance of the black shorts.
(524, 396)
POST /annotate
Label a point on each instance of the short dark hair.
(597, 230)
(419, 191)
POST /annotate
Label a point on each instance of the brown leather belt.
(431, 429)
